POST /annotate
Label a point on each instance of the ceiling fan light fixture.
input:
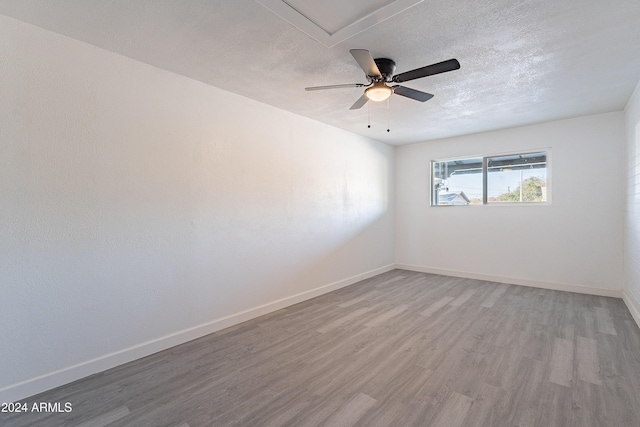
(378, 92)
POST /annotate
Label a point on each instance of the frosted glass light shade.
(378, 92)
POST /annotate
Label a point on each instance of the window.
(457, 182)
(520, 178)
(504, 179)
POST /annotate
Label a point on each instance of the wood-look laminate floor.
(400, 349)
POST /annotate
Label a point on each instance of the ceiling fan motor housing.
(387, 67)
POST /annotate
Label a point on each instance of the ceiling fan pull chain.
(388, 112)
(368, 115)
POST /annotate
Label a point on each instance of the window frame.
(485, 177)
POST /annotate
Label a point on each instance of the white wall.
(575, 243)
(632, 211)
(140, 209)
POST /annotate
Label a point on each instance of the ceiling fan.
(379, 73)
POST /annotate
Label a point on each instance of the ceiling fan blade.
(359, 103)
(412, 93)
(429, 70)
(335, 86)
(366, 62)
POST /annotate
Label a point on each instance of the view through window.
(513, 178)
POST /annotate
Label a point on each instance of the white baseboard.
(633, 305)
(616, 293)
(69, 374)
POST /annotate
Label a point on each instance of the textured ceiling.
(523, 62)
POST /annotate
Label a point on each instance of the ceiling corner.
(332, 22)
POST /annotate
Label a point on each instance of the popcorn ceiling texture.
(522, 62)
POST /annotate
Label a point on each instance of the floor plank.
(454, 411)
(106, 418)
(587, 358)
(349, 414)
(562, 362)
(437, 306)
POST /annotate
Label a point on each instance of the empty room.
(339, 213)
